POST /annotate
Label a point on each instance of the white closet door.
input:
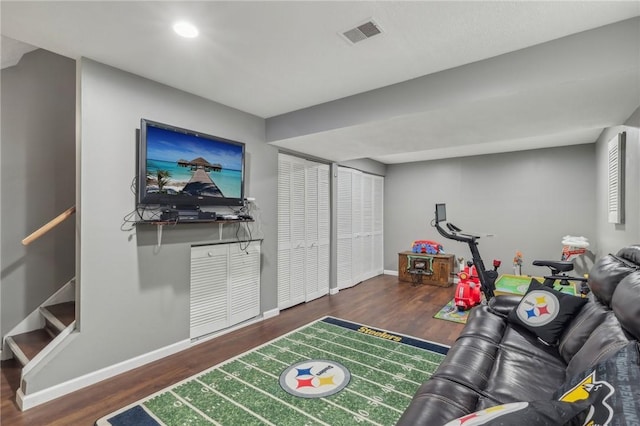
(285, 167)
(344, 227)
(378, 225)
(298, 242)
(367, 227)
(244, 283)
(303, 230)
(311, 235)
(291, 230)
(360, 226)
(356, 227)
(209, 295)
(324, 228)
(317, 277)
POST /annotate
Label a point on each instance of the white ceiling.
(271, 58)
(12, 51)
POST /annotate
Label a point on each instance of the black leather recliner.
(494, 362)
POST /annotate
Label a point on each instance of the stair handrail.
(49, 226)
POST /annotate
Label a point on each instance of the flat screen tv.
(441, 212)
(179, 167)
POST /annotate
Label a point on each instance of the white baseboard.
(238, 326)
(344, 287)
(40, 397)
(31, 400)
(272, 313)
(389, 272)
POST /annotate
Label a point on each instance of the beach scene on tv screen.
(187, 165)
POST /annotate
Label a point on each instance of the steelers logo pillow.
(545, 312)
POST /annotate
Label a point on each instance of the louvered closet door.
(378, 225)
(356, 227)
(244, 285)
(324, 228)
(317, 231)
(209, 290)
(344, 216)
(303, 230)
(311, 232)
(367, 227)
(360, 226)
(285, 166)
(298, 230)
(291, 231)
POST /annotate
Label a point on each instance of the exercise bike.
(486, 277)
(558, 273)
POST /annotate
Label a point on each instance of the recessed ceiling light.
(185, 29)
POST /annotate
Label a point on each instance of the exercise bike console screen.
(441, 212)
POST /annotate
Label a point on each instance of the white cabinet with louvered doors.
(360, 226)
(225, 286)
(244, 281)
(303, 230)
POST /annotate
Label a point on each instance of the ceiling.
(277, 60)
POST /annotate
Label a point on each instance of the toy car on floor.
(468, 289)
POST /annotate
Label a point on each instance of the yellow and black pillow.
(545, 312)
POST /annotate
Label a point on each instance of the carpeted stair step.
(25, 346)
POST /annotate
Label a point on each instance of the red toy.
(468, 290)
(427, 246)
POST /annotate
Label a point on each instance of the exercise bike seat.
(555, 265)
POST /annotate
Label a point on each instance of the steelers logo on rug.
(315, 378)
(538, 308)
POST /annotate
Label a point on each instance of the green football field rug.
(330, 372)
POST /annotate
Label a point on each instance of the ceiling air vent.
(362, 32)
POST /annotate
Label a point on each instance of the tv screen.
(441, 212)
(179, 167)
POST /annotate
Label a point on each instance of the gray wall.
(612, 237)
(38, 180)
(134, 297)
(529, 200)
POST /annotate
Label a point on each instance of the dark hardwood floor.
(381, 302)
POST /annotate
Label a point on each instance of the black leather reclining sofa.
(494, 361)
